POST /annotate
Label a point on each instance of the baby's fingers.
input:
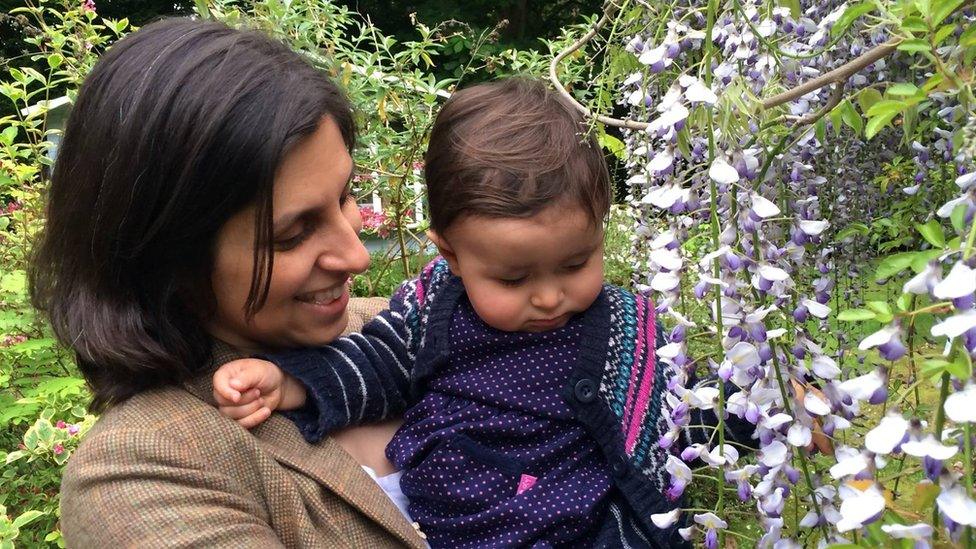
(241, 411)
(256, 418)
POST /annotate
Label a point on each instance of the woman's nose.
(345, 252)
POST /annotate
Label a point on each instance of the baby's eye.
(512, 281)
(576, 266)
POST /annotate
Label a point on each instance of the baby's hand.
(248, 390)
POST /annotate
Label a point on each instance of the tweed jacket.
(165, 469)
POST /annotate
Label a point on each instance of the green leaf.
(836, 118)
(202, 8)
(8, 135)
(922, 259)
(849, 16)
(615, 146)
(934, 367)
(933, 82)
(853, 229)
(914, 45)
(942, 34)
(932, 233)
(960, 368)
(855, 315)
(902, 88)
(852, 118)
(894, 264)
(943, 9)
(924, 7)
(904, 302)
(14, 456)
(958, 216)
(54, 60)
(27, 517)
(914, 23)
(886, 106)
(877, 124)
(880, 307)
(867, 98)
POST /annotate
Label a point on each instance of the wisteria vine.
(750, 206)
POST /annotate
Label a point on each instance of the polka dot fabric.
(494, 413)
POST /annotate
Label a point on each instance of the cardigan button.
(585, 390)
(618, 466)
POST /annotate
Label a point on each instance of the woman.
(199, 212)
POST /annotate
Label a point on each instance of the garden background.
(794, 188)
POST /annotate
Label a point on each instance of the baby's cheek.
(497, 310)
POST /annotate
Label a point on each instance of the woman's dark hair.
(512, 148)
(179, 126)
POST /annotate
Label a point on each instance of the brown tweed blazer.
(164, 469)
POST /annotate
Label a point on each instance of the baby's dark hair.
(512, 148)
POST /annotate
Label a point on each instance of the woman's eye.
(291, 242)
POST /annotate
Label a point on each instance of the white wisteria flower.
(859, 507)
(862, 387)
(850, 461)
(773, 454)
(773, 274)
(925, 281)
(815, 405)
(816, 308)
(956, 325)
(961, 281)
(824, 366)
(664, 282)
(960, 406)
(665, 196)
(920, 531)
(664, 520)
(930, 447)
(966, 180)
(813, 228)
(799, 435)
(667, 258)
(957, 506)
(880, 337)
(762, 206)
(887, 435)
(698, 92)
(721, 172)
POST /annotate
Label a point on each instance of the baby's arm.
(249, 390)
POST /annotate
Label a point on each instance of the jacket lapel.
(326, 462)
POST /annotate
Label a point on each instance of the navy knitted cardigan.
(616, 390)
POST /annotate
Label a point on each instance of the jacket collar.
(326, 462)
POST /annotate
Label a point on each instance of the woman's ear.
(444, 249)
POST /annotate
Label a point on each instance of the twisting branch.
(834, 100)
(608, 12)
(836, 76)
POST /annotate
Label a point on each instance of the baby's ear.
(444, 249)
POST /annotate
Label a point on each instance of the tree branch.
(836, 76)
(608, 12)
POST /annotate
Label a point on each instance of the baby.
(533, 398)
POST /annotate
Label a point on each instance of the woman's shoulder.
(148, 422)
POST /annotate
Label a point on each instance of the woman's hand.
(249, 390)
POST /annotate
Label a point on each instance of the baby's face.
(527, 275)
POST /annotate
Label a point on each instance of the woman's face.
(316, 249)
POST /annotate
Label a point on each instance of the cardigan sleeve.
(363, 377)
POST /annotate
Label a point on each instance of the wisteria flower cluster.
(748, 220)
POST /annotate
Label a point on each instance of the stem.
(939, 424)
(716, 269)
(801, 452)
(968, 460)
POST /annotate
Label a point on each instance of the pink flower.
(374, 221)
(73, 429)
(61, 425)
(88, 5)
(58, 449)
(11, 340)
